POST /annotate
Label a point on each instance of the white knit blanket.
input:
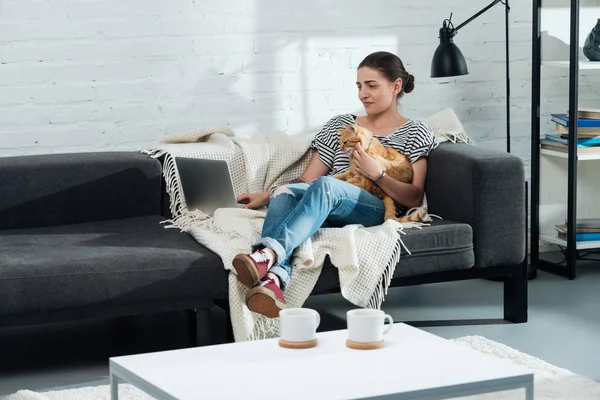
(365, 257)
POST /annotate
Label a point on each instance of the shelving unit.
(549, 167)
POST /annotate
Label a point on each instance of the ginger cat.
(394, 163)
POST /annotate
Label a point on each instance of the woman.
(298, 208)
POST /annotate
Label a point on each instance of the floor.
(563, 329)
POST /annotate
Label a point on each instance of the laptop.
(206, 184)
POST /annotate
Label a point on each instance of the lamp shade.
(448, 60)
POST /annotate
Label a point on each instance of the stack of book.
(588, 132)
(586, 229)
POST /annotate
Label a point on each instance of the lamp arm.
(455, 30)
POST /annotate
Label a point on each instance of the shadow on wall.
(330, 44)
(556, 49)
(222, 106)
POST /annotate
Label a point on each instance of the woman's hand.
(365, 164)
(254, 200)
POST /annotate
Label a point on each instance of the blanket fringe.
(457, 137)
(381, 291)
(172, 180)
(264, 328)
(181, 220)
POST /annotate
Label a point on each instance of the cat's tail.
(417, 216)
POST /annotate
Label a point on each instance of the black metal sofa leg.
(224, 305)
(515, 295)
(228, 326)
(199, 323)
(229, 329)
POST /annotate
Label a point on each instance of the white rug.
(551, 382)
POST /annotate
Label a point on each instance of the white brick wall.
(102, 75)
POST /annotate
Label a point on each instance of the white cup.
(367, 325)
(298, 324)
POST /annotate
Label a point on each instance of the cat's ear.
(350, 128)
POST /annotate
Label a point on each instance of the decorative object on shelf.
(448, 60)
(591, 47)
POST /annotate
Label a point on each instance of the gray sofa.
(81, 237)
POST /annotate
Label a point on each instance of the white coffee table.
(414, 364)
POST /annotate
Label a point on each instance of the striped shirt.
(414, 139)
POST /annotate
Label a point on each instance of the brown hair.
(392, 68)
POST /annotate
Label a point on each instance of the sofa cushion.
(126, 261)
(64, 189)
(444, 245)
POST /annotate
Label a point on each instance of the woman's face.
(375, 91)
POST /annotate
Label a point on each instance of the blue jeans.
(297, 210)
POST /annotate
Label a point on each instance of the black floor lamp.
(448, 61)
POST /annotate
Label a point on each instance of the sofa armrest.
(485, 189)
(60, 189)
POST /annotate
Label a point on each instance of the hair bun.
(410, 84)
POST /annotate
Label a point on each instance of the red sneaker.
(266, 298)
(251, 268)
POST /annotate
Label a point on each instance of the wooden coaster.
(298, 345)
(364, 346)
